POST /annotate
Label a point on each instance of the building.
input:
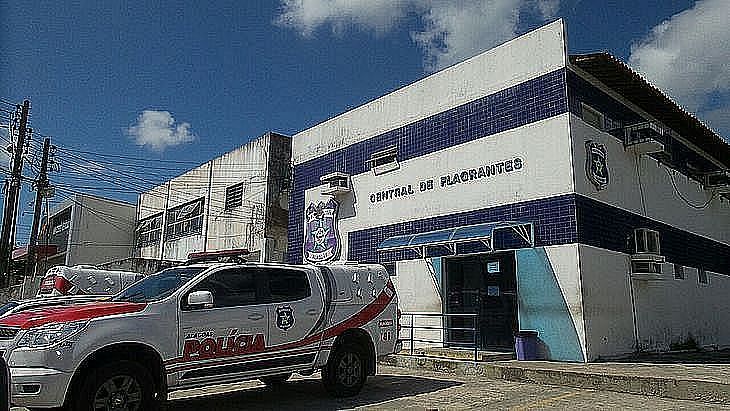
(541, 191)
(236, 201)
(82, 230)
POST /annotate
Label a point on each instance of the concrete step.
(460, 354)
(683, 386)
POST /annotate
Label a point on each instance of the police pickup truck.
(202, 324)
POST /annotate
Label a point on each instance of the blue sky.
(189, 80)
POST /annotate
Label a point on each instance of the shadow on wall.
(542, 308)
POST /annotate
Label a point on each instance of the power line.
(126, 157)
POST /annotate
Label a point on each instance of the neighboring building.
(542, 191)
(236, 201)
(88, 230)
(82, 230)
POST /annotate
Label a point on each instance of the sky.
(182, 82)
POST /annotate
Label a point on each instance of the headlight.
(50, 334)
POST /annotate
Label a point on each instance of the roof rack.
(223, 256)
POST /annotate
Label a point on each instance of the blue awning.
(450, 237)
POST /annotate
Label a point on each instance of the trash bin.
(526, 345)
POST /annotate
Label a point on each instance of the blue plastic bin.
(526, 345)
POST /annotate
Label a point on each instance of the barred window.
(184, 220)
(234, 196)
(149, 230)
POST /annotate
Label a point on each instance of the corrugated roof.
(622, 79)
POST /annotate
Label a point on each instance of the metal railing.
(445, 329)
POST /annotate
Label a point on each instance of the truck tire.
(275, 380)
(117, 385)
(345, 372)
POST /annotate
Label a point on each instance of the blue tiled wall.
(604, 226)
(553, 218)
(540, 98)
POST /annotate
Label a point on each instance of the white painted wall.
(543, 146)
(662, 202)
(241, 227)
(526, 57)
(418, 293)
(606, 302)
(668, 312)
(102, 230)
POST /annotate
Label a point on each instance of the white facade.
(502, 138)
(236, 201)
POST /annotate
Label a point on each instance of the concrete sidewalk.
(700, 382)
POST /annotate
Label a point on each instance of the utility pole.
(11, 199)
(41, 187)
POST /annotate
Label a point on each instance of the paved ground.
(397, 388)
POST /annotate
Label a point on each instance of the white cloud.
(688, 56)
(450, 30)
(158, 130)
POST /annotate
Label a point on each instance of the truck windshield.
(158, 286)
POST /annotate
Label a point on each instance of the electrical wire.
(683, 198)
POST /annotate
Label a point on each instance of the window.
(702, 276)
(678, 272)
(230, 288)
(288, 285)
(234, 196)
(384, 161)
(184, 220)
(149, 231)
(592, 116)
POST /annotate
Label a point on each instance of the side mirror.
(200, 299)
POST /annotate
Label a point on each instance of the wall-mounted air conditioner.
(647, 261)
(643, 138)
(336, 183)
(718, 181)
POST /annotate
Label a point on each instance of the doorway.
(485, 284)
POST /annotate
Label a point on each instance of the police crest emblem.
(596, 165)
(321, 237)
(284, 318)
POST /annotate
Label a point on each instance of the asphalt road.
(396, 388)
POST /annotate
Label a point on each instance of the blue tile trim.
(537, 99)
(605, 226)
(554, 220)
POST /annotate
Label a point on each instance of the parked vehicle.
(13, 307)
(63, 280)
(202, 324)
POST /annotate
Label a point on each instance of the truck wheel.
(345, 374)
(275, 380)
(118, 385)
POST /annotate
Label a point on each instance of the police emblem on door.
(284, 318)
(596, 165)
(321, 238)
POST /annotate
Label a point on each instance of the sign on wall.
(321, 235)
(596, 165)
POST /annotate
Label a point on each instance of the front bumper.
(38, 387)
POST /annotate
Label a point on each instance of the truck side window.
(288, 285)
(230, 288)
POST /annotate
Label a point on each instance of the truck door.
(296, 310)
(227, 340)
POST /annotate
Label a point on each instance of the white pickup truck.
(203, 324)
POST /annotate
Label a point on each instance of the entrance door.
(485, 285)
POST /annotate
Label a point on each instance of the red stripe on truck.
(78, 312)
